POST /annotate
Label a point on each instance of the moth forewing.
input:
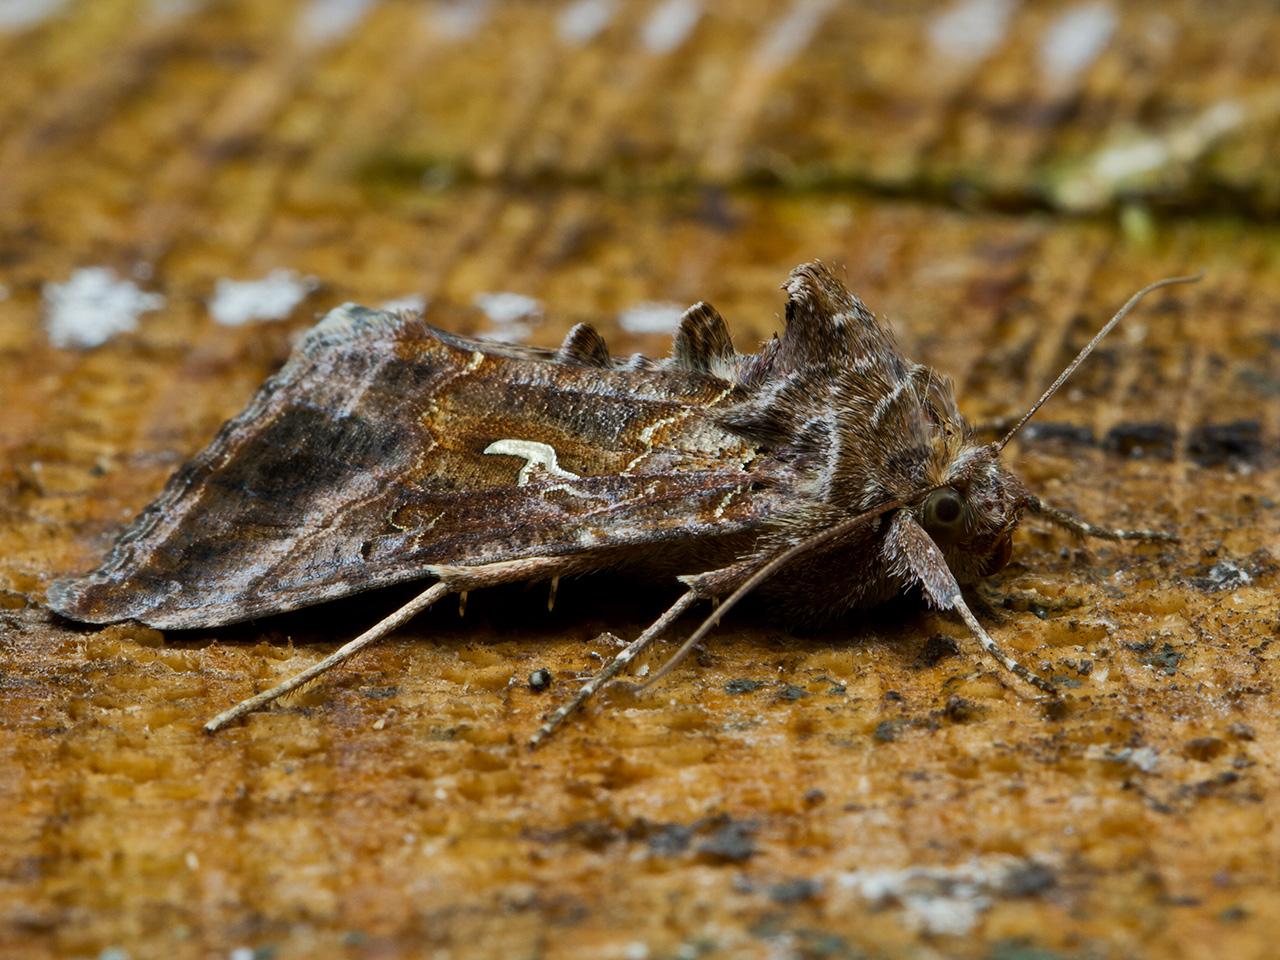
(389, 450)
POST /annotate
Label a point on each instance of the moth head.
(972, 513)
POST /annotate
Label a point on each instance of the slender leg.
(613, 667)
(345, 652)
(908, 545)
(993, 648)
(1083, 528)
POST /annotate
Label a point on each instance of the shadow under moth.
(826, 471)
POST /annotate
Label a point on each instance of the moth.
(826, 471)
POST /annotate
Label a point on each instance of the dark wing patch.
(386, 447)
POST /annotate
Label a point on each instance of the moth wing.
(386, 449)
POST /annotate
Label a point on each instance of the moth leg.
(1083, 528)
(343, 653)
(910, 551)
(993, 648)
(613, 667)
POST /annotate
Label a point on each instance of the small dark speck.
(887, 731)
(938, 648)
(791, 693)
(732, 842)
(1204, 749)
(814, 797)
(539, 680)
(1141, 440)
(716, 211)
(1029, 879)
(670, 839)
(379, 693)
(1166, 659)
(1233, 914)
(742, 685)
(893, 696)
(1061, 432)
(795, 891)
(1213, 445)
(1241, 731)
(960, 710)
(1207, 788)
(1260, 381)
(1226, 574)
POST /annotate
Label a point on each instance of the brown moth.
(388, 450)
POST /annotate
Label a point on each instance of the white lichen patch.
(1133, 161)
(651, 317)
(582, 21)
(969, 30)
(273, 297)
(24, 14)
(791, 34)
(512, 316)
(459, 19)
(670, 24)
(326, 21)
(1146, 759)
(1075, 40)
(94, 305)
(945, 900)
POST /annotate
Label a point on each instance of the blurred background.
(185, 185)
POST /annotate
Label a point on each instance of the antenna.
(1088, 348)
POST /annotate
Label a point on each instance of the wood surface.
(875, 789)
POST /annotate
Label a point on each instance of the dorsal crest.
(825, 321)
(584, 347)
(702, 342)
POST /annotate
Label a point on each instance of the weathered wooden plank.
(753, 807)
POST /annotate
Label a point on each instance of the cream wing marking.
(539, 456)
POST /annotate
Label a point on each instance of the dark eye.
(943, 509)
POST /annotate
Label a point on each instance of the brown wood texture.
(863, 791)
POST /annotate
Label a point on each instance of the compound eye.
(943, 510)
